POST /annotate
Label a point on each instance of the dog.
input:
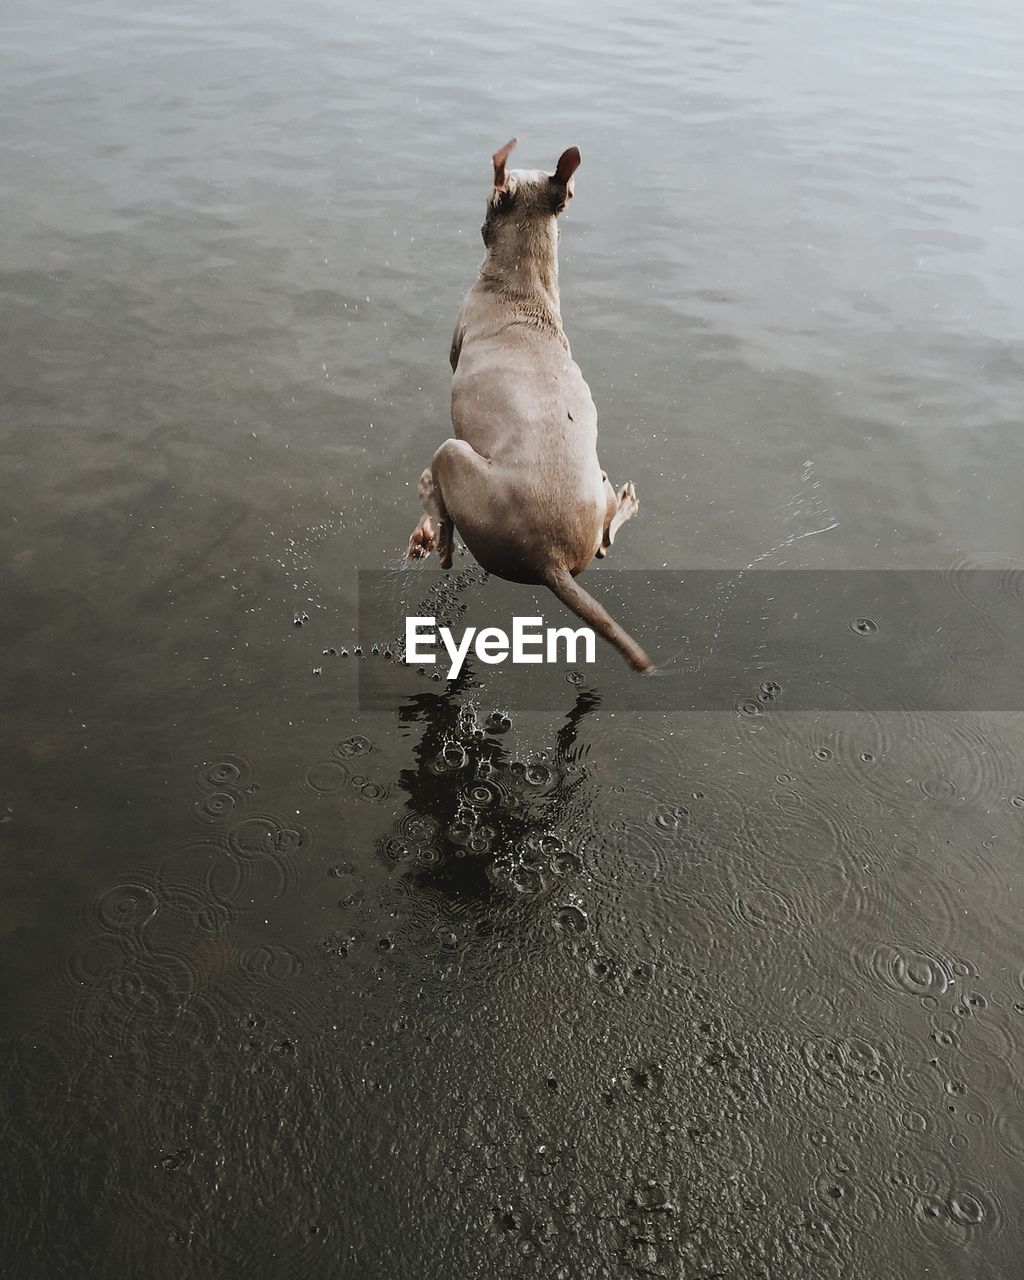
(520, 480)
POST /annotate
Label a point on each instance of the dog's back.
(520, 399)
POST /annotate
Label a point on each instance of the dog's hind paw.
(422, 541)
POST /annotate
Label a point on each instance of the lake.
(295, 984)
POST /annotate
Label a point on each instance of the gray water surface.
(291, 989)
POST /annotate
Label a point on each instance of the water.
(294, 989)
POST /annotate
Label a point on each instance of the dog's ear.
(568, 163)
(499, 159)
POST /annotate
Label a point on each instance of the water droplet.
(570, 919)
(966, 1209)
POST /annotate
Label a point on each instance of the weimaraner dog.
(520, 480)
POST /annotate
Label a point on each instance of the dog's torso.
(520, 400)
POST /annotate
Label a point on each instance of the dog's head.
(520, 197)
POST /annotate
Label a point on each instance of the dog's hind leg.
(462, 484)
(423, 539)
(622, 506)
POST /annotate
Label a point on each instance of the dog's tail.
(586, 607)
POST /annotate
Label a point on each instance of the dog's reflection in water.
(475, 813)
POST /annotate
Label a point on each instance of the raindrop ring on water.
(218, 806)
(126, 906)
